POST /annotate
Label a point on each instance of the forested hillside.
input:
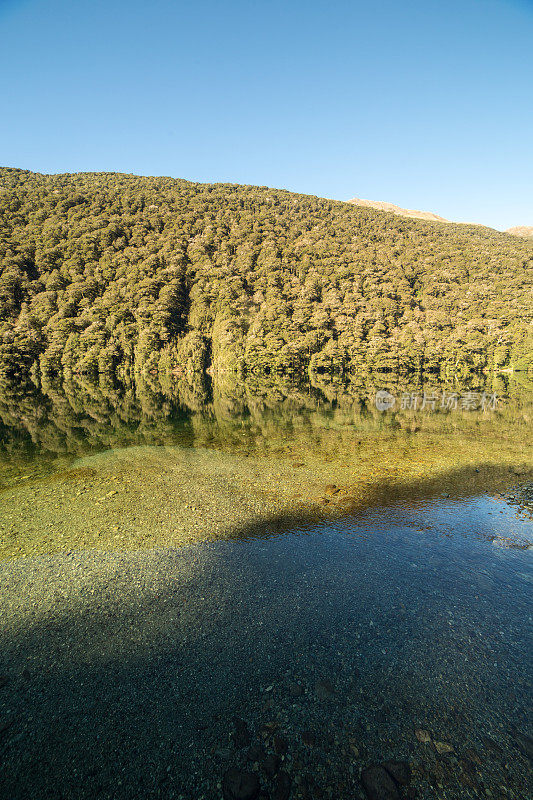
(113, 273)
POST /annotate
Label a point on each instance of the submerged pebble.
(238, 785)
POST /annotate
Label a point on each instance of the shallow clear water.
(368, 586)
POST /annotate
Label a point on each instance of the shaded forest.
(105, 273)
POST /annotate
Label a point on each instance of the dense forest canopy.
(119, 274)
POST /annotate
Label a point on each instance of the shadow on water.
(124, 672)
(455, 485)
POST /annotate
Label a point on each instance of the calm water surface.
(295, 591)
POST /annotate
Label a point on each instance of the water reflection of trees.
(78, 415)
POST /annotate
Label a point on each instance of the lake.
(266, 590)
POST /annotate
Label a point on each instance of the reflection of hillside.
(79, 416)
(255, 452)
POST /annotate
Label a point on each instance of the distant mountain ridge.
(525, 231)
(403, 212)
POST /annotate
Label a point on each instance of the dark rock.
(324, 690)
(280, 745)
(270, 765)
(524, 744)
(400, 771)
(441, 771)
(468, 775)
(255, 753)
(309, 788)
(378, 784)
(3, 680)
(308, 738)
(295, 690)
(241, 735)
(282, 787)
(237, 785)
(269, 727)
(473, 755)
(492, 746)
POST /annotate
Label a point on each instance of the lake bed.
(293, 597)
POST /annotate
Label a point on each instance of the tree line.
(104, 273)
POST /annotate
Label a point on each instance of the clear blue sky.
(427, 104)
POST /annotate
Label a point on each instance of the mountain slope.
(525, 231)
(113, 273)
(403, 212)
